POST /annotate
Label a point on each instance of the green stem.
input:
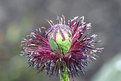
(64, 76)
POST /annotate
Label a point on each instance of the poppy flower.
(64, 48)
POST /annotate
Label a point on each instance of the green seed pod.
(60, 38)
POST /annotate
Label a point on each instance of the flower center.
(60, 38)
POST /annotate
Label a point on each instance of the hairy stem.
(64, 75)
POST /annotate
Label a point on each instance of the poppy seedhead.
(59, 37)
(63, 46)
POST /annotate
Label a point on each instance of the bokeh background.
(19, 17)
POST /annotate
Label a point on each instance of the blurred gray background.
(19, 17)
